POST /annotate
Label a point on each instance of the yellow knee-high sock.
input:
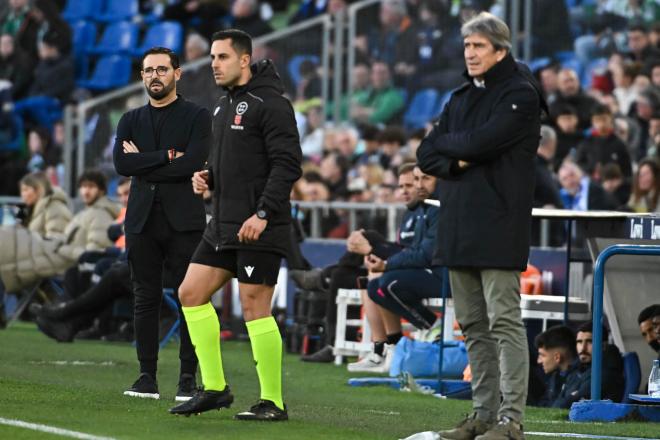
(204, 329)
(267, 352)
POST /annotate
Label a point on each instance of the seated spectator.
(603, 146)
(315, 189)
(43, 152)
(15, 66)
(578, 192)
(393, 42)
(309, 86)
(548, 78)
(558, 357)
(615, 184)
(197, 84)
(86, 231)
(551, 33)
(565, 120)
(246, 17)
(392, 140)
(207, 11)
(625, 91)
(646, 187)
(646, 327)
(333, 170)
(46, 211)
(311, 141)
(381, 102)
(51, 23)
(646, 108)
(546, 191)
(570, 92)
(640, 47)
(400, 282)
(309, 9)
(578, 382)
(22, 25)
(349, 268)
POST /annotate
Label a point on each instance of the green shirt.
(386, 103)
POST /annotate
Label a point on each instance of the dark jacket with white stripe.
(254, 162)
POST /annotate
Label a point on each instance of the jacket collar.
(498, 72)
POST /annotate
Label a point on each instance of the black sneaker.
(204, 401)
(60, 331)
(186, 389)
(325, 354)
(145, 387)
(265, 410)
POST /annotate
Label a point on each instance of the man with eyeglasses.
(161, 145)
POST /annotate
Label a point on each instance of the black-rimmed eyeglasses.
(160, 70)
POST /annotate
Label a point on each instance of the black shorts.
(250, 267)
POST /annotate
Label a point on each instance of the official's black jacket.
(486, 209)
(187, 128)
(254, 162)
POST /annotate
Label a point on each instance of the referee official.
(253, 165)
(161, 145)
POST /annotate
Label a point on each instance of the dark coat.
(600, 150)
(486, 212)
(54, 78)
(254, 162)
(187, 129)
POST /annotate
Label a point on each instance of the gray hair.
(200, 42)
(491, 27)
(547, 134)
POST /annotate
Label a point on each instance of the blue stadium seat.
(538, 63)
(110, 72)
(293, 67)
(444, 100)
(117, 10)
(632, 374)
(84, 38)
(117, 38)
(76, 10)
(425, 105)
(573, 63)
(165, 34)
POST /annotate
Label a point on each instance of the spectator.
(51, 23)
(21, 24)
(86, 231)
(548, 78)
(46, 208)
(640, 47)
(54, 75)
(394, 41)
(546, 193)
(43, 153)
(647, 107)
(603, 146)
(15, 66)
(571, 93)
(311, 140)
(333, 170)
(309, 9)
(579, 193)
(361, 76)
(655, 74)
(245, 14)
(206, 10)
(431, 39)
(309, 86)
(558, 358)
(645, 321)
(565, 119)
(315, 189)
(392, 139)
(551, 32)
(197, 84)
(615, 184)
(625, 92)
(646, 187)
(381, 102)
(578, 382)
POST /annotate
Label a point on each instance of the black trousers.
(158, 257)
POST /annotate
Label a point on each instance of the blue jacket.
(419, 254)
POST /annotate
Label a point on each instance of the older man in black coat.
(483, 147)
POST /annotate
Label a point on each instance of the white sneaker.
(374, 363)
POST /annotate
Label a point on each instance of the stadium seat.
(444, 100)
(84, 38)
(574, 64)
(539, 63)
(165, 34)
(110, 72)
(599, 64)
(293, 66)
(117, 10)
(632, 374)
(76, 10)
(117, 38)
(425, 105)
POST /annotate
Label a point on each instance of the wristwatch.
(262, 214)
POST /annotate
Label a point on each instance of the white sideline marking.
(51, 430)
(570, 435)
(75, 363)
